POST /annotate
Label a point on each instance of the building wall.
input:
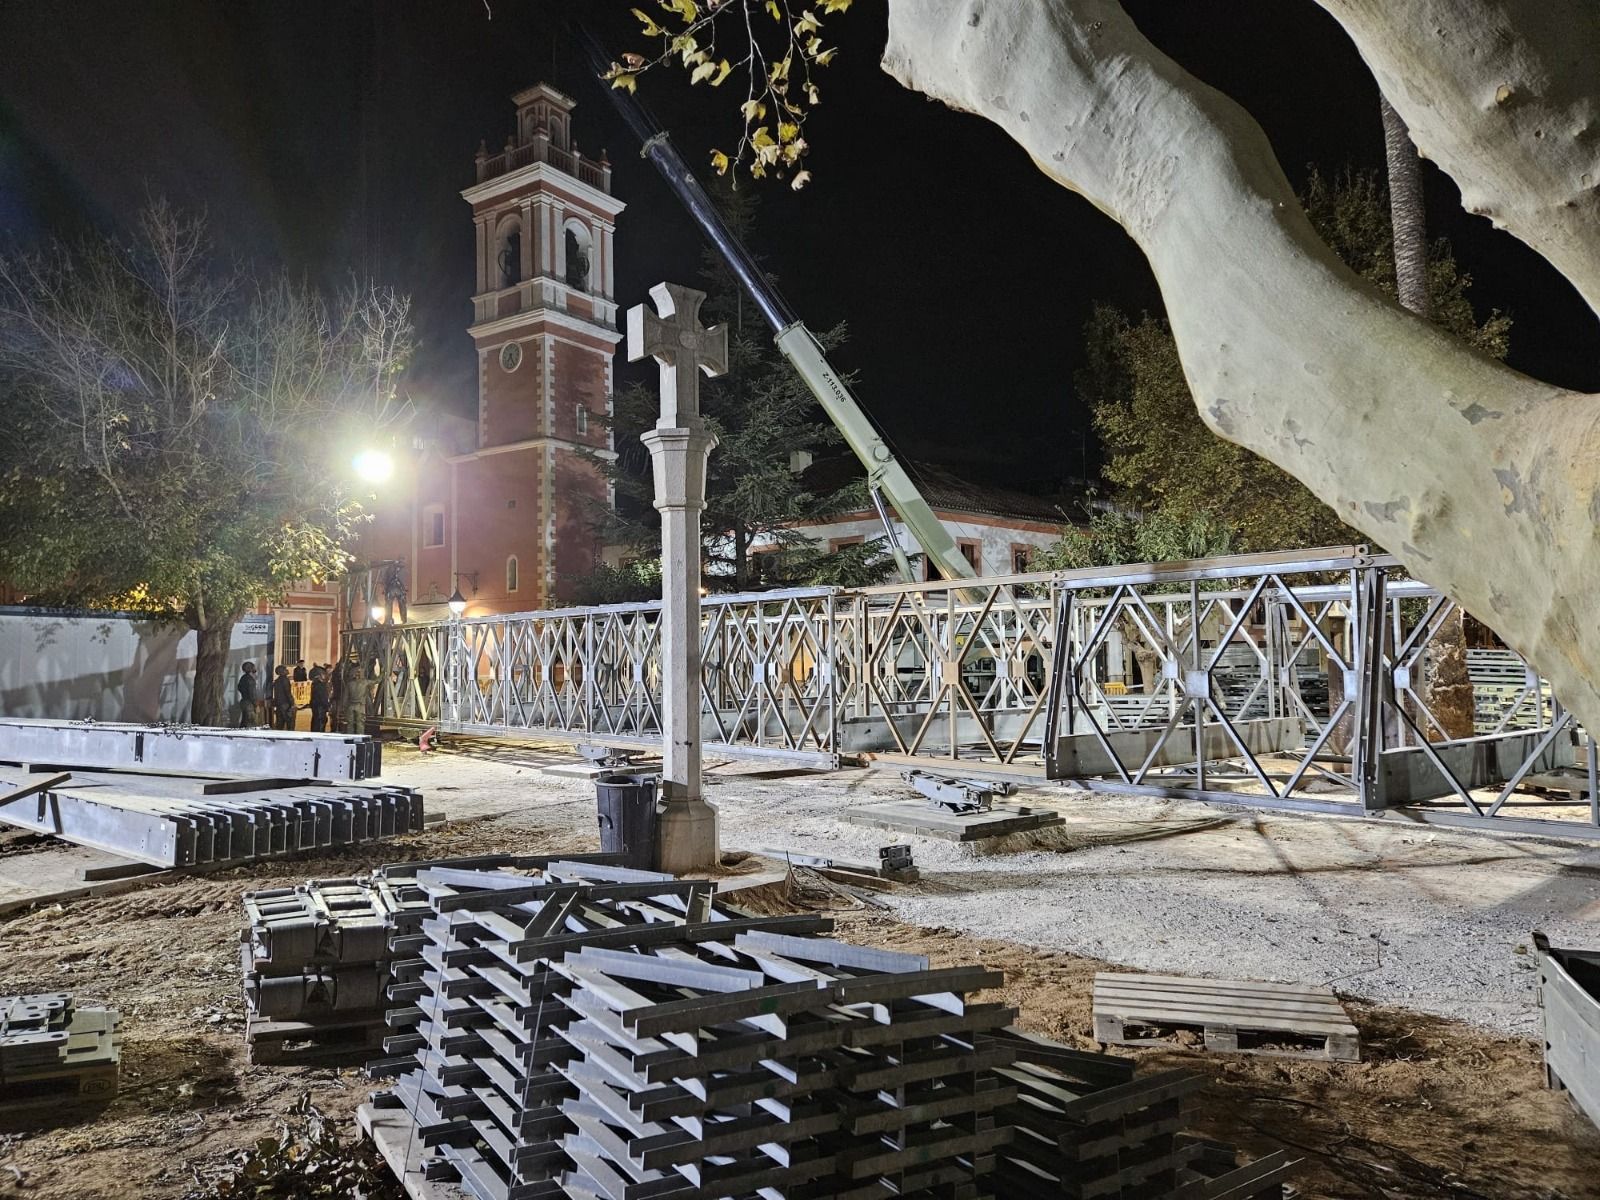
(581, 491)
(503, 514)
(997, 540)
(314, 606)
(512, 402)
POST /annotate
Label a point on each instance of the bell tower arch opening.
(508, 251)
(579, 253)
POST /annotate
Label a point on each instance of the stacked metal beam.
(53, 1050)
(162, 822)
(1078, 1137)
(588, 1031)
(263, 753)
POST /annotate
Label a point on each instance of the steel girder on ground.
(134, 819)
(190, 749)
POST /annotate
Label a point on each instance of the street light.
(457, 602)
(378, 613)
(375, 466)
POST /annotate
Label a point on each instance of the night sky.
(334, 138)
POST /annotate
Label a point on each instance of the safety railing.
(1308, 681)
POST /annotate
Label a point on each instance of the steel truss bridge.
(1290, 681)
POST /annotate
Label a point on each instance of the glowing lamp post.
(374, 466)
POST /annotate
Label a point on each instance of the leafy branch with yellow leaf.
(780, 49)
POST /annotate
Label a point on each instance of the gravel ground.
(1432, 920)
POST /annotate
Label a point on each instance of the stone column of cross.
(679, 447)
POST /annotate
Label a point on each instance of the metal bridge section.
(1289, 681)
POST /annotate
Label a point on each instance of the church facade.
(503, 507)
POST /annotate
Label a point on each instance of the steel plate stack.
(316, 966)
(53, 1050)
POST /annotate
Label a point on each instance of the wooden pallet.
(392, 1132)
(1235, 1016)
(340, 1038)
(22, 1092)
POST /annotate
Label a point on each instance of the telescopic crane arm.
(885, 475)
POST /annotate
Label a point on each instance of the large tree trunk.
(1481, 480)
(210, 706)
(1447, 686)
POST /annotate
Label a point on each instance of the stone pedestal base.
(687, 836)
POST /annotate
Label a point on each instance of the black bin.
(627, 809)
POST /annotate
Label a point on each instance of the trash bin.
(627, 810)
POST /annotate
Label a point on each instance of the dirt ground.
(1438, 1109)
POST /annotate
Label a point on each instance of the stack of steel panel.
(165, 823)
(316, 967)
(589, 1031)
(1077, 1136)
(53, 1050)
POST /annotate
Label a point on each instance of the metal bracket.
(607, 756)
(958, 795)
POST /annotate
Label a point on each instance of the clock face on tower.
(511, 356)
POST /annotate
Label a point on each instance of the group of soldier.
(342, 692)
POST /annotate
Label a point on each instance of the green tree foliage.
(1161, 457)
(631, 582)
(762, 413)
(1112, 538)
(181, 429)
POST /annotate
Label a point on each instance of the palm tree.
(1448, 684)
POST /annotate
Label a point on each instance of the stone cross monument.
(679, 445)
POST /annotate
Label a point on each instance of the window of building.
(291, 643)
(1021, 552)
(581, 417)
(433, 525)
(511, 573)
(971, 550)
(835, 543)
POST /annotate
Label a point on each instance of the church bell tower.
(544, 327)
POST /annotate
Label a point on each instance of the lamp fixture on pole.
(458, 602)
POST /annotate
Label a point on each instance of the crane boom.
(794, 341)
